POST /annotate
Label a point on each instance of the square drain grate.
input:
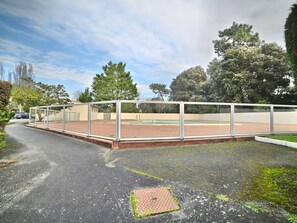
(151, 201)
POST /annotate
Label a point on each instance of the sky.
(69, 41)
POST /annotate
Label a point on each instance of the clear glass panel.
(76, 118)
(32, 115)
(206, 120)
(285, 119)
(251, 119)
(149, 120)
(41, 117)
(55, 117)
(103, 120)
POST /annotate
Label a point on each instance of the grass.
(289, 138)
(255, 207)
(144, 174)
(222, 197)
(292, 218)
(2, 142)
(277, 185)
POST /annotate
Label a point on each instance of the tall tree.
(159, 90)
(52, 94)
(23, 74)
(85, 96)
(291, 39)
(251, 75)
(38, 94)
(1, 72)
(236, 35)
(114, 83)
(189, 85)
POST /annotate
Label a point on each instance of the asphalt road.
(60, 179)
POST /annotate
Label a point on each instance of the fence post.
(63, 118)
(47, 117)
(30, 113)
(182, 120)
(232, 120)
(271, 119)
(118, 120)
(35, 116)
(89, 119)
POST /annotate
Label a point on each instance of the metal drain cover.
(151, 201)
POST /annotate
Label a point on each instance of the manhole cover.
(151, 201)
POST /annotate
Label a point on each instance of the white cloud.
(157, 39)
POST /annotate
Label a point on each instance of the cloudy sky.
(69, 41)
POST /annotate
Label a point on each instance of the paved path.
(59, 179)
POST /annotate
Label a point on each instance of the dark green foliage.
(291, 39)
(114, 84)
(160, 90)
(85, 96)
(5, 113)
(189, 85)
(236, 35)
(247, 70)
(38, 94)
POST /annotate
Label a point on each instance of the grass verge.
(276, 185)
(289, 138)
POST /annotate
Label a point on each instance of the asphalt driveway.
(59, 179)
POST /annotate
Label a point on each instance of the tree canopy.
(85, 96)
(114, 83)
(245, 71)
(236, 35)
(291, 39)
(189, 85)
(159, 90)
(38, 94)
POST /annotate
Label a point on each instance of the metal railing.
(156, 120)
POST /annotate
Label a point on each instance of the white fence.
(145, 120)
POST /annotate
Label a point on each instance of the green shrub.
(5, 113)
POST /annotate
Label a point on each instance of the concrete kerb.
(276, 142)
(115, 145)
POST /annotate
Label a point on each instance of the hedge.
(5, 113)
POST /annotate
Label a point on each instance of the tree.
(23, 74)
(160, 90)
(85, 96)
(247, 70)
(26, 97)
(251, 75)
(189, 85)
(5, 113)
(39, 94)
(52, 94)
(1, 72)
(114, 83)
(236, 35)
(291, 39)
